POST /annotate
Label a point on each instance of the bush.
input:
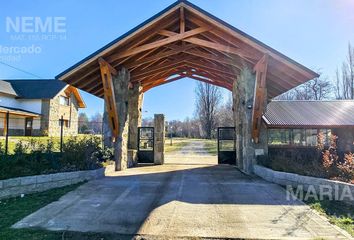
(34, 157)
(324, 162)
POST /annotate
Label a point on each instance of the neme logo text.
(36, 24)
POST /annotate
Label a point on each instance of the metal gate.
(227, 145)
(146, 145)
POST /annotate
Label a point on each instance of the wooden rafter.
(259, 96)
(106, 75)
(162, 42)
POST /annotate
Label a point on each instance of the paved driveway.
(183, 201)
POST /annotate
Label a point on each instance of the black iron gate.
(227, 145)
(146, 145)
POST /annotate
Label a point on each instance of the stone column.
(107, 133)
(135, 102)
(243, 97)
(159, 138)
(121, 92)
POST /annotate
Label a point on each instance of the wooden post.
(6, 128)
(61, 133)
(260, 92)
(109, 97)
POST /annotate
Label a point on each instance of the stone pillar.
(107, 133)
(135, 102)
(121, 92)
(159, 138)
(243, 97)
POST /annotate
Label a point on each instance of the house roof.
(18, 111)
(5, 87)
(335, 113)
(205, 48)
(39, 89)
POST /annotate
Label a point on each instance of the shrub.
(35, 158)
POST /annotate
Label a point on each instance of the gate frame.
(234, 161)
(153, 145)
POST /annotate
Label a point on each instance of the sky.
(315, 33)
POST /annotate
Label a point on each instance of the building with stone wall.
(35, 108)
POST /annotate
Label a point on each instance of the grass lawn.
(338, 213)
(14, 209)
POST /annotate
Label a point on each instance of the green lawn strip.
(13, 210)
(338, 213)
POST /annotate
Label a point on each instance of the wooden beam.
(164, 82)
(259, 101)
(182, 24)
(159, 43)
(109, 97)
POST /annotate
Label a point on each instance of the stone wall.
(52, 111)
(159, 139)
(135, 102)
(243, 99)
(24, 185)
(307, 183)
(121, 85)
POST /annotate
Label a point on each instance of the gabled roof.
(40, 89)
(37, 89)
(186, 41)
(298, 114)
(6, 88)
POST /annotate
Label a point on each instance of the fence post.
(61, 133)
(7, 132)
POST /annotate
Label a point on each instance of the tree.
(225, 114)
(208, 99)
(96, 123)
(345, 80)
(83, 123)
(319, 88)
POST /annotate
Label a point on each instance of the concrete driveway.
(215, 201)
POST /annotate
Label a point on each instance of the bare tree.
(208, 99)
(225, 114)
(345, 80)
(319, 88)
(96, 123)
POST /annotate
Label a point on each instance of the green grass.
(338, 213)
(14, 209)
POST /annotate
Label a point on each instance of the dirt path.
(193, 153)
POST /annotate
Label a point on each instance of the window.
(65, 101)
(298, 137)
(311, 137)
(279, 136)
(327, 133)
(66, 123)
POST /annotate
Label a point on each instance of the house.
(294, 127)
(35, 107)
